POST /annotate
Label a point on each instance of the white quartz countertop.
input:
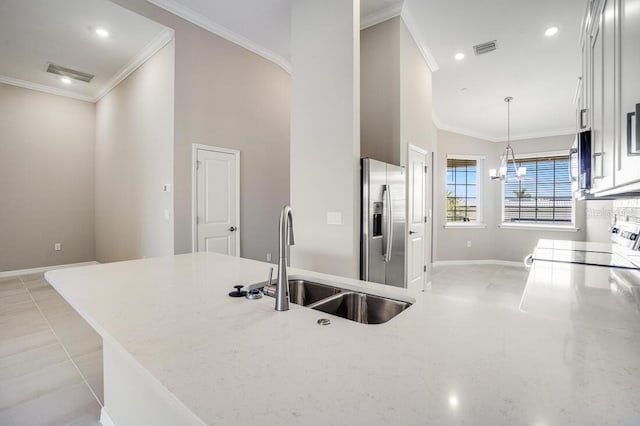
(442, 361)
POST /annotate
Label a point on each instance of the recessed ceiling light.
(551, 31)
(102, 33)
(459, 56)
(65, 80)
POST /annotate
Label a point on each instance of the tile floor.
(50, 359)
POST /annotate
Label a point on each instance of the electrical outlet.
(268, 257)
(57, 246)
(468, 243)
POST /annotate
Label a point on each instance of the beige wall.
(325, 135)
(134, 159)
(230, 97)
(46, 179)
(396, 94)
(416, 124)
(380, 91)
(491, 242)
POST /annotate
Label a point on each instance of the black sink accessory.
(238, 291)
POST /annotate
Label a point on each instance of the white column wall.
(325, 134)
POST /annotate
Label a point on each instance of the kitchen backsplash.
(627, 207)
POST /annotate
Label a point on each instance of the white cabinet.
(603, 96)
(628, 143)
(610, 95)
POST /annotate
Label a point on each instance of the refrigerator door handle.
(389, 231)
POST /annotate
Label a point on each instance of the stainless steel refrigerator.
(383, 223)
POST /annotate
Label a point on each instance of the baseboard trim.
(105, 419)
(44, 269)
(477, 262)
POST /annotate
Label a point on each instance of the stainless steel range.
(622, 252)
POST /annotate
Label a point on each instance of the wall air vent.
(481, 49)
(68, 72)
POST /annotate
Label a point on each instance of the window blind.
(544, 196)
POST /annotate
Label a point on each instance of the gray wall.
(491, 242)
(230, 97)
(134, 159)
(46, 179)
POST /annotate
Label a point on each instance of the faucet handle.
(267, 287)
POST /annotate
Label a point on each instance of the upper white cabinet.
(610, 93)
(603, 96)
(628, 161)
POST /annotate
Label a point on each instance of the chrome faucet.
(285, 240)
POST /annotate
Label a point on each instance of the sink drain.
(324, 321)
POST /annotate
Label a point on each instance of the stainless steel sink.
(352, 305)
(303, 292)
(361, 307)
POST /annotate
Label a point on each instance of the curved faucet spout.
(285, 239)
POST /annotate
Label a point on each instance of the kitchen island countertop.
(442, 361)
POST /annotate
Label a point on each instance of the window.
(543, 197)
(463, 190)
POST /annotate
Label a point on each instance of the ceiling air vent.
(68, 72)
(483, 48)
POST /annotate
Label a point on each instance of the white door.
(417, 218)
(217, 190)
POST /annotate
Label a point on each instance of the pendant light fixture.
(507, 156)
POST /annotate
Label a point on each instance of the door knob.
(232, 228)
(412, 232)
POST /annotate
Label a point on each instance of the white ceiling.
(35, 32)
(539, 72)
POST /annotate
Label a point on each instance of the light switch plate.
(334, 218)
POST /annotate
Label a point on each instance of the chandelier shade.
(503, 173)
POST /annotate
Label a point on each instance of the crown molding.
(461, 131)
(43, 88)
(543, 134)
(381, 15)
(419, 39)
(163, 38)
(207, 24)
(518, 137)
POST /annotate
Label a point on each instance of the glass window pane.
(462, 192)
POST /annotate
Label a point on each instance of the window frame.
(479, 222)
(538, 226)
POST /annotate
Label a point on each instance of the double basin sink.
(355, 306)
